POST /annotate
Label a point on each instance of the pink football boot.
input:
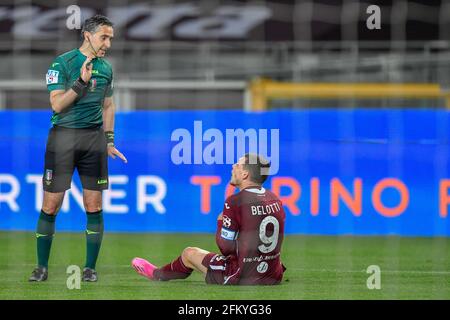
(143, 267)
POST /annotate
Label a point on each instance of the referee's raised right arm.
(61, 99)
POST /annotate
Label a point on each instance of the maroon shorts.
(220, 269)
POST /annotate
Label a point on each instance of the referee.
(80, 83)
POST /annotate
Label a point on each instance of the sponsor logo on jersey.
(262, 267)
(52, 76)
(102, 181)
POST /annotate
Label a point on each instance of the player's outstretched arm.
(108, 125)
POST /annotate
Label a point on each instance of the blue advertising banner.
(359, 172)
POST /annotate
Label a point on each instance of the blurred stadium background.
(363, 128)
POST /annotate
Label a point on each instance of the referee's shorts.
(67, 149)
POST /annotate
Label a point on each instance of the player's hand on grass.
(86, 70)
(113, 152)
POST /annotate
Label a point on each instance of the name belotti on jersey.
(267, 209)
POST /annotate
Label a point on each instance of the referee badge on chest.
(93, 85)
(48, 176)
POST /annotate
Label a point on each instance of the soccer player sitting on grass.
(249, 234)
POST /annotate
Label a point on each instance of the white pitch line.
(443, 272)
(364, 271)
(65, 265)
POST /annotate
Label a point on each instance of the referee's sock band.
(94, 212)
(47, 217)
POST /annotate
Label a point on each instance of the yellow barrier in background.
(262, 90)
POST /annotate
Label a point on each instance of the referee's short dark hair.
(257, 167)
(93, 23)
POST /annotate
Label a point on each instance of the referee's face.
(101, 40)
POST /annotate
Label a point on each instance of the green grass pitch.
(318, 267)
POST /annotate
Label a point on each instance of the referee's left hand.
(113, 152)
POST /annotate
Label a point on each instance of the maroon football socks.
(174, 270)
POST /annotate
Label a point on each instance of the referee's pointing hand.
(113, 152)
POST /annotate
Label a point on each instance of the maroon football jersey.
(252, 232)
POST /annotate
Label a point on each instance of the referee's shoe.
(39, 274)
